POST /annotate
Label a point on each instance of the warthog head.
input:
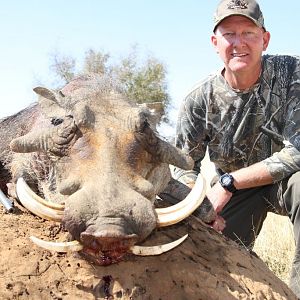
(108, 163)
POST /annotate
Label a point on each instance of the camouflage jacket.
(244, 127)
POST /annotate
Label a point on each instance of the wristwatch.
(226, 181)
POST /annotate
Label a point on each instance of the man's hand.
(218, 224)
(218, 196)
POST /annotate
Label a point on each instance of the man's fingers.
(219, 224)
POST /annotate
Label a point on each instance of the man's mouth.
(239, 54)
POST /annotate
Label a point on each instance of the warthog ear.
(45, 93)
(50, 102)
(156, 107)
(154, 111)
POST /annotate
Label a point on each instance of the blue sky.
(176, 32)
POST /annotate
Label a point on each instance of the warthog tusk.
(72, 246)
(156, 250)
(30, 202)
(178, 212)
(75, 246)
(34, 196)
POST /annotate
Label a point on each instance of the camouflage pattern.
(247, 8)
(241, 128)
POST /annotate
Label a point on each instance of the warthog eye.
(144, 126)
(56, 121)
(61, 94)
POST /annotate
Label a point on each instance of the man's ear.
(214, 42)
(266, 40)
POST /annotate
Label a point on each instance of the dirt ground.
(204, 267)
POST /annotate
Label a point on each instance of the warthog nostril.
(95, 244)
(105, 243)
(108, 236)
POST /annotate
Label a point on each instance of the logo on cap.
(234, 4)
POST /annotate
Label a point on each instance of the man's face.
(240, 44)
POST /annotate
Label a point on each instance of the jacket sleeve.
(287, 161)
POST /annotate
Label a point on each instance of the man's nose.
(238, 39)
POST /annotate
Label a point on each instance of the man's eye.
(228, 34)
(249, 35)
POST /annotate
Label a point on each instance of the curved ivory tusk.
(34, 206)
(75, 246)
(156, 250)
(72, 246)
(178, 212)
(34, 196)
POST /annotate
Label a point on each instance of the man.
(248, 116)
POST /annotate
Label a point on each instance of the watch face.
(226, 180)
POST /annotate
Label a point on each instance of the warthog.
(98, 160)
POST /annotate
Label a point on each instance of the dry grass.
(275, 245)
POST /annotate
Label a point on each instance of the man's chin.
(239, 66)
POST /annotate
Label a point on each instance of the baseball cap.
(247, 8)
